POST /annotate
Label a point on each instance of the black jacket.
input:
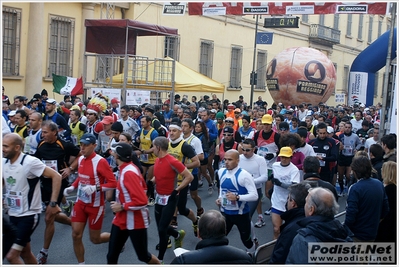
(214, 251)
(287, 233)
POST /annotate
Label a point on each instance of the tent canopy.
(186, 79)
(119, 36)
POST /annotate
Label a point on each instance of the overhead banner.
(285, 8)
(137, 98)
(110, 92)
(174, 8)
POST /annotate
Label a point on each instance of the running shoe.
(41, 258)
(210, 189)
(68, 210)
(200, 212)
(200, 183)
(169, 244)
(174, 223)
(179, 239)
(260, 222)
(268, 211)
(195, 227)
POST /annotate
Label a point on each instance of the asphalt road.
(61, 250)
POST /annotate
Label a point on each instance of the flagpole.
(253, 66)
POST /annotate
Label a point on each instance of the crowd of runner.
(132, 157)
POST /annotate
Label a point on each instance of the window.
(172, 47)
(349, 25)
(376, 84)
(61, 46)
(345, 79)
(336, 21)
(379, 26)
(235, 67)
(305, 18)
(321, 19)
(11, 41)
(261, 70)
(370, 37)
(206, 58)
(360, 29)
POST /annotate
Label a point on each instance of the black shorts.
(204, 162)
(194, 183)
(25, 226)
(344, 161)
(47, 189)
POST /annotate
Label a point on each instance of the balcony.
(324, 35)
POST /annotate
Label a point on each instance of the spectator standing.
(388, 143)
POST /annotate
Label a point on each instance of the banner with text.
(110, 92)
(136, 98)
(357, 87)
(339, 98)
(285, 8)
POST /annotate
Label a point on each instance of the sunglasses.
(227, 134)
(236, 112)
(91, 114)
(246, 149)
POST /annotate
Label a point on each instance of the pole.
(384, 123)
(253, 66)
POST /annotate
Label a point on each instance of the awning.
(111, 36)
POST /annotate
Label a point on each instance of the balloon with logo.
(300, 74)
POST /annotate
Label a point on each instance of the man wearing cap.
(237, 119)
(114, 106)
(131, 214)
(95, 178)
(58, 155)
(11, 120)
(283, 128)
(77, 127)
(177, 99)
(229, 122)
(230, 111)
(268, 143)
(155, 123)
(104, 138)
(53, 115)
(219, 120)
(129, 125)
(34, 104)
(285, 173)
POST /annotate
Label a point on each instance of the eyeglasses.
(246, 149)
(91, 114)
(236, 112)
(227, 134)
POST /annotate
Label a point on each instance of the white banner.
(357, 87)
(174, 8)
(340, 98)
(136, 98)
(110, 92)
(394, 108)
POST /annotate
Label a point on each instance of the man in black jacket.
(295, 202)
(213, 247)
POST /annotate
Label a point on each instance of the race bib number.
(82, 194)
(74, 139)
(51, 164)
(262, 151)
(144, 157)
(15, 201)
(228, 204)
(104, 146)
(27, 145)
(348, 150)
(161, 199)
(322, 162)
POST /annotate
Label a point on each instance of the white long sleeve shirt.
(256, 166)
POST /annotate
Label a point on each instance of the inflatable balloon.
(300, 74)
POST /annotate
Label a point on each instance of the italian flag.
(64, 85)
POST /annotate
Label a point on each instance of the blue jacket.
(367, 203)
(316, 229)
(213, 131)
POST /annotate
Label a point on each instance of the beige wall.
(222, 30)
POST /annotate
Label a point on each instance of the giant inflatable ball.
(300, 74)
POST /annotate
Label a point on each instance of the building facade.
(44, 38)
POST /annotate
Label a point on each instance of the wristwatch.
(53, 203)
(237, 197)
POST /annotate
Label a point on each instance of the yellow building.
(42, 38)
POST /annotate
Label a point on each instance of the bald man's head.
(321, 201)
(12, 146)
(231, 158)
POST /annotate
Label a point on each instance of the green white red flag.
(64, 85)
